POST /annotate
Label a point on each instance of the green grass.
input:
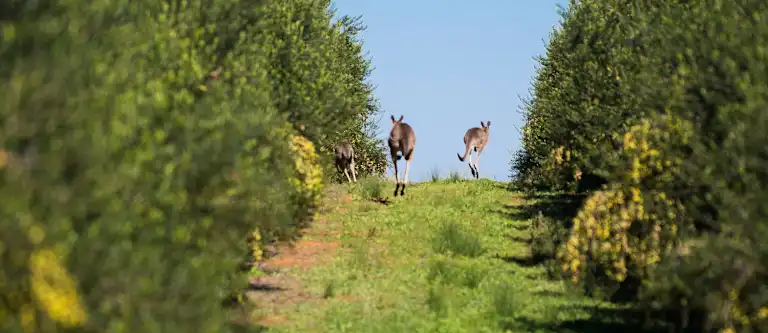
(452, 177)
(455, 177)
(434, 261)
(368, 188)
(434, 175)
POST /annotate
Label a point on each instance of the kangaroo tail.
(466, 152)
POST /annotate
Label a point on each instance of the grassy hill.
(451, 256)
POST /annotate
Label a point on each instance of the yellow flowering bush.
(254, 244)
(619, 228)
(45, 287)
(647, 150)
(162, 140)
(690, 170)
(561, 166)
(308, 180)
(54, 289)
(630, 224)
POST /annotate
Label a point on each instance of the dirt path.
(279, 288)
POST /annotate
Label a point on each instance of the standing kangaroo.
(476, 137)
(402, 139)
(345, 159)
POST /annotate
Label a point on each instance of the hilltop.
(451, 256)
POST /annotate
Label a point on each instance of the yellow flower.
(54, 289)
(762, 313)
(574, 265)
(733, 294)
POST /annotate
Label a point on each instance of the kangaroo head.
(395, 122)
(486, 126)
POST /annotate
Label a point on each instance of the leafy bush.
(142, 141)
(308, 180)
(546, 236)
(333, 101)
(658, 106)
(631, 223)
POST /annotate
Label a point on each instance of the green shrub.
(506, 304)
(546, 235)
(663, 104)
(308, 180)
(320, 79)
(630, 224)
(452, 238)
(370, 188)
(455, 272)
(143, 141)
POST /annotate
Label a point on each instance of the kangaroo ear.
(401, 118)
(488, 123)
(393, 119)
(482, 124)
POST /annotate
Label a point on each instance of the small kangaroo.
(345, 159)
(402, 139)
(477, 138)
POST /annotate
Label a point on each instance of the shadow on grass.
(555, 206)
(234, 300)
(518, 226)
(503, 186)
(237, 327)
(519, 239)
(380, 200)
(263, 287)
(626, 320)
(524, 261)
(549, 293)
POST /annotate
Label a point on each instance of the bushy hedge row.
(657, 111)
(142, 141)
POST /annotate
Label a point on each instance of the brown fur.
(345, 159)
(477, 138)
(402, 139)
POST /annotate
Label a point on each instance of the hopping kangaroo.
(402, 139)
(477, 138)
(345, 159)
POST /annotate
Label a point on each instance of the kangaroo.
(402, 139)
(345, 159)
(477, 138)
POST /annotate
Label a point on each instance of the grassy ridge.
(449, 257)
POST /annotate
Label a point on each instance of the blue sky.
(446, 66)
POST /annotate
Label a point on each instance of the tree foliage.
(661, 103)
(143, 140)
